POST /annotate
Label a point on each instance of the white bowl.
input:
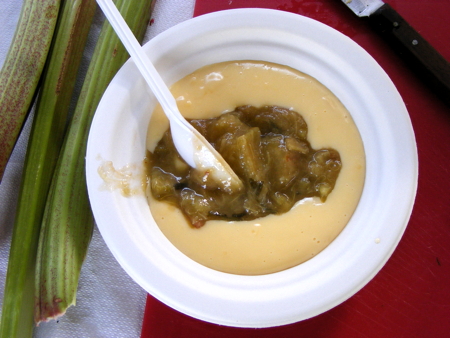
(118, 134)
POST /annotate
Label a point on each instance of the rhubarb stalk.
(67, 226)
(20, 74)
(44, 145)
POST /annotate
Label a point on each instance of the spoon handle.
(149, 72)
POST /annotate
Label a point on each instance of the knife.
(431, 66)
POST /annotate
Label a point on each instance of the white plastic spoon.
(191, 145)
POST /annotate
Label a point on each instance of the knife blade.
(363, 7)
(424, 59)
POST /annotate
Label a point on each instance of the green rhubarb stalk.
(22, 69)
(44, 145)
(68, 223)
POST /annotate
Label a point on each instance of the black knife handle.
(415, 50)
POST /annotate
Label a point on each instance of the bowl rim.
(303, 291)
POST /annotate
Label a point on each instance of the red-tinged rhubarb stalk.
(20, 74)
(44, 145)
(67, 226)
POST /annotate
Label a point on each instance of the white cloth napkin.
(109, 303)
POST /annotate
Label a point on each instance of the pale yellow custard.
(272, 243)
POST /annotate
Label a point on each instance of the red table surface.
(410, 296)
